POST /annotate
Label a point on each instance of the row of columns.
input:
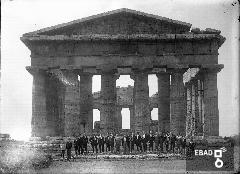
(174, 98)
(202, 104)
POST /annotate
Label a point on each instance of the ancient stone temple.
(124, 42)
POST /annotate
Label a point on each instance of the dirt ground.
(116, 166)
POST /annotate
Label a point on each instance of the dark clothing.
(139, 142)
(69, 149)
(63, 154)
(151, 140)
(161, 142)
(79, 145)
(167, 142)
(101, 142)
(132, 141)
(112, 143)
(172, 142)
(118, 143)
(107, 141)
(157, 141)
(144, 142)
(94, 143)
(125, 144)
(75, 147)
(84, 143)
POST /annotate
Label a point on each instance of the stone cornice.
(151, 70)
(96, 37)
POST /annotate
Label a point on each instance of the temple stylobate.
(124, 42)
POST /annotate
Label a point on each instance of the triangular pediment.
(121, 21)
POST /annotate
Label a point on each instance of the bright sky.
(22, 16)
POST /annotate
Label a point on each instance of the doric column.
(193, 108)
(132, 110)
(189, 109)
(196, 107)
(71, 104)
(211, 117)
(108, 117)
(39, 110)
(200, 105)
(131, 117)
(119, 118)
(86, 105)
(177, 101)
(163, 101)
(141, 101)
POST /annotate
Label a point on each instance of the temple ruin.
(124, 42)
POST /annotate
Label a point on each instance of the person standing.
(151, 140)
(107, 141)
(95, 143)
(117, 143)
(132, 141)
(172, 142)
(161, 141)
(79, 145)
(69, 149)
(125, 144)
(112, 142)
(157, 141)
(144, 142)
(139, 142)
(101, 143)
(63, 149)
(75, 146)
(179, 144)
(85, 143)
(183, 145)
(91, 139)
(167, 142)
(128, 142)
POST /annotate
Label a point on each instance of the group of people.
(158, 142)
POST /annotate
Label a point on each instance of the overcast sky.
(22, 16)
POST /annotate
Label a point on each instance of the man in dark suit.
(84, 143)
(151, 140)
(95, 143)
(79, 145)
(101, 143)
(132, 140)
(172, 142)
(125, 142)
(69, 149)
(139, 142)
(161, 141)
(144, 141)
(157, 141)
(112, 141)
(107, 141)
(75, 146)
(92, 142)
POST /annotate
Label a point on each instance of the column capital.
(160, 74)
(177, 70)
(36, 70)
(211, 68)
(84, 73)
(136, 71)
